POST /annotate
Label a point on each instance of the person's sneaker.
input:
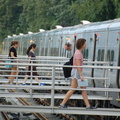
(42, 84)
(62, 106)
(91, 107)
(11, 84)
(24, 84)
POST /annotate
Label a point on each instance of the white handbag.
(82, 83)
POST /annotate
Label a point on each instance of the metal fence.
(54, 66)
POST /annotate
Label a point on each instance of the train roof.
(95, 26)
(98, 26)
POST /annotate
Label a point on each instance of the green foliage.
(9, 16)
(21, 16)
(117, 8)
(63, 15)
(95, 10)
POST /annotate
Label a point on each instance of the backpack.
(67, 70)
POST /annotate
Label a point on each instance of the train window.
(85, 53)
(110, 56)
(100, 56)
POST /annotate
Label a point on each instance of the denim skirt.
(75, 74)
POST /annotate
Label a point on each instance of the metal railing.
(106, 88)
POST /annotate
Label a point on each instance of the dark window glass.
(98, 57)
(102, 55)
(85, 53)
(108, 55)
(112, 55)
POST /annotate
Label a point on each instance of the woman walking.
(13, 55)
(77, 74)
(31, 55)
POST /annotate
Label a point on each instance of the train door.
(6, 46)
(60, 40)
(62, 50)
(57, 44)
(95, 42)
(90, 42)
(54, 45)
(114, 59)
(101, 48)
(113, 56)
(22, 47)
(45, 45)
(90, 52)
(73, 39)
(40, 46)
(93, 56)
(49, 44)
(118, 72)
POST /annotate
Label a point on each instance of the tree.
(34, 15)
(9, 16)
(95, 10)
(30, 15)
(63, 15)
(117, 8)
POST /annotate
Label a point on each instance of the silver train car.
(103, 44)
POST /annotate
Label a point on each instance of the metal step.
(56, 96)
(69, 110)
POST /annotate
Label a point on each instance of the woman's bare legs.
(70, 92)
(13, 72)
(85, 97)
(26, 78)
(36, 78)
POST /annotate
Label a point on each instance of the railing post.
(108, 78)
(53, 88)
(17, 72)
(31, 71)
(107, 82)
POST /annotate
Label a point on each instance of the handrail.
(55, 65)
(58, 61)
(53, 77)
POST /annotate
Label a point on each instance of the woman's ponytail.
(30, 47)
(14, 42)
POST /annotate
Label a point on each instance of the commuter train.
(103, 44)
